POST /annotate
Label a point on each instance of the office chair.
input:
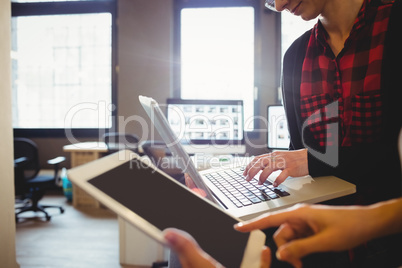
(162, 158)
(29, 184)
(116, 141)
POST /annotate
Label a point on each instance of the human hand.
(292, 163)
(191, 185)
(192, 256)
(305, 229)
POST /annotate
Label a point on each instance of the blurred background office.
(77, 67)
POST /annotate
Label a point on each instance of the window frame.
(181, 4)
(67, 8)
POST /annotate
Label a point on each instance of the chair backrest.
(129, 140)
(156, 150)
(162, 158)
(27, 148)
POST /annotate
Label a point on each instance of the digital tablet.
(153, 201)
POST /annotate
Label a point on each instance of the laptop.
(222, 185)
(208, 126)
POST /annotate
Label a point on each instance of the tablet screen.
(165, 203)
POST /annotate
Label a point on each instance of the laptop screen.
(212, 122)
(278, 134)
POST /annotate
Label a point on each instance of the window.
(62, 67)
(293, 27)
(216, 52)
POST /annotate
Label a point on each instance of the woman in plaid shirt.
(341, 91)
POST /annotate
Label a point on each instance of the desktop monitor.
(278, 137)
(208, 126)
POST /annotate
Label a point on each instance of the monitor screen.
(278, 134)
(206, 121)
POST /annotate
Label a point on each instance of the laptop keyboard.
(242, 193)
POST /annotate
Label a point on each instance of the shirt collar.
(366, 14)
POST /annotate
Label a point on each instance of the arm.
(307, 229)
(293, 163)
(387, 218)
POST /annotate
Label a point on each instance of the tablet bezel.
(82, 174)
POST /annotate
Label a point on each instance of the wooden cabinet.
(82, 153)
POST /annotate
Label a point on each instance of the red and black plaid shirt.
(351, 80)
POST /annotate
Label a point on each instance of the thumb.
(187, 249)
(295, 250)
(180, 241)
(189, 181)
(191, 185)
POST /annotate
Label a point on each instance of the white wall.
(7, 218)
(145, 32)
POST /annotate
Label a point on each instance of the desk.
(82, 153)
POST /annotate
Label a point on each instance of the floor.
(84, 237)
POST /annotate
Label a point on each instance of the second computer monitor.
(278, 134)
